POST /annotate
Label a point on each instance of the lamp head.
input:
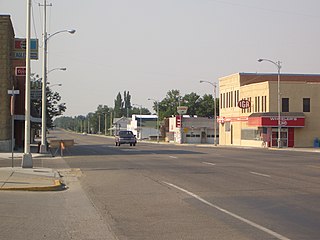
(260, 60)
(63, 69)
(72, 31)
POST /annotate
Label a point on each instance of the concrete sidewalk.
(30, 179)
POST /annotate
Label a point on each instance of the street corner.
(30, 179)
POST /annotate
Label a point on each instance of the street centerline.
(255, 225)
(261, 174)
(209, 163)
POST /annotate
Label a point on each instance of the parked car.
(125, 137)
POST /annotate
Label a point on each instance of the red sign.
(269, 121)
(244, 104)
(178, 121)
(20, 71)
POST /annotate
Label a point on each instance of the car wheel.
(134, 144)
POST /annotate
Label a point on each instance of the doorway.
(283, 137)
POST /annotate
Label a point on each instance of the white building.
(144, 126)
(188, 129)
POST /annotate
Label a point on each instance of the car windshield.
(125, 134)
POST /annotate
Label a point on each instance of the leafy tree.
(168, 106)
(54, 107)
(192, 101)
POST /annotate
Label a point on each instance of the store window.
(285, 104)
(306, 105)
(250, 134)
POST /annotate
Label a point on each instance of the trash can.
(316, 143)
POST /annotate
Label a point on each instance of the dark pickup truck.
(125, 137)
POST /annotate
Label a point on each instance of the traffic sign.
(182, 110)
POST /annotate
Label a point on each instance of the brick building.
(6, 80)
(257, 124)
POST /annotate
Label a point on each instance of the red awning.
(271, 119)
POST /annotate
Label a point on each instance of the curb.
(57, 186)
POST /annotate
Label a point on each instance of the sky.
(149, 47)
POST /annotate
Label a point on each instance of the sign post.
(12, 93)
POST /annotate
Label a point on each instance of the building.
(255, 123)
(119, 124)
(187, 129)
(6, 80)
(12, 56)
(144, 126)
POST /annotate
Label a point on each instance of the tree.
(118, 106)
(127, 103)
(192, 101)
(168, 106)
(54, 107)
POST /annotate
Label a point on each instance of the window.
(256, 104)
(285, 104)
(306, 105)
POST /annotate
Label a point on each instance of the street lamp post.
(43, 146)
(27, 157)
(278, 65)
(140, 133)
(157, 102)
(214, 109)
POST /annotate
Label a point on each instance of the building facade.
(255, 123)
(186, 129)
(144, 126)
(6, 80)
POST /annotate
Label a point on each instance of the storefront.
(267, 124)
(249, 110)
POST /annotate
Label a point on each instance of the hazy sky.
(149, 47)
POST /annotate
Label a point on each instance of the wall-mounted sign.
(19, 51)
(244, 104)
(20, 71)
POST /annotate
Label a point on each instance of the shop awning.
(270, 119)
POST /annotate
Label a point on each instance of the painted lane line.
(172, 157)
(209, 163)
(261, 174)
(255, 225)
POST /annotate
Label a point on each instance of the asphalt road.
(161, 191)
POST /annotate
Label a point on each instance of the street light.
(278, 65)
(43, 146)
(58, 85)
(61, 69)
(157, 102)
(214, 109)
(140, 133)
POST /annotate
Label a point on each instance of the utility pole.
(43, 146)
(27, 157)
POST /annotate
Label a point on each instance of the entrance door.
(283, 137)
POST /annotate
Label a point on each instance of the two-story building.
(257, 122)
